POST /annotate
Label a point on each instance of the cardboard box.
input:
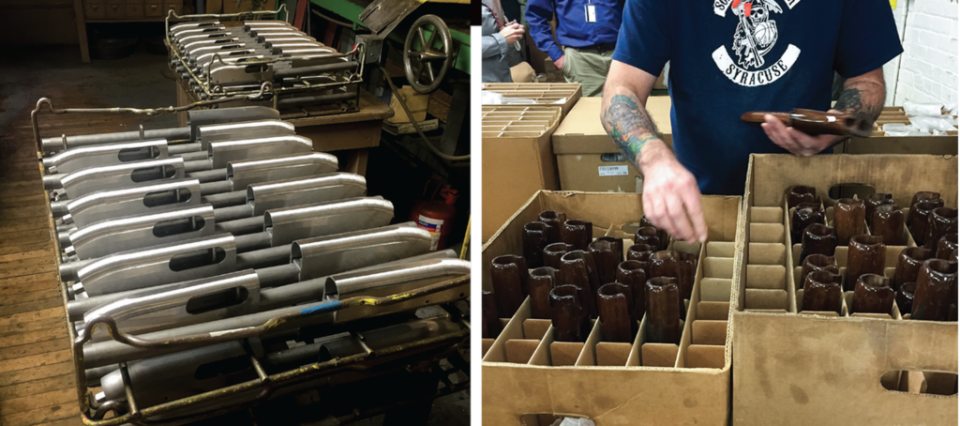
(416, 102)
(588, 160)
(564, 95)
(802, 368)
(881, 143)
(931, 145)
(528, 379)
(517, 159)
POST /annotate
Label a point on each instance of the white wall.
(927, 70)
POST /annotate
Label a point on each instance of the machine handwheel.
(426, 67)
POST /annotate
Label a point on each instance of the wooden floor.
(36, 370)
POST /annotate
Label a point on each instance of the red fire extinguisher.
(436, 216)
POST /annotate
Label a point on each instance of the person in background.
(500, 39)
(728, 57)
(587, 32)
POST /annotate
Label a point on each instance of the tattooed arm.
(671, 198)
(863, 94)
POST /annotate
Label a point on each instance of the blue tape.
(326, 307)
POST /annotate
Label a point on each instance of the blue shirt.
(728, 57)
(572, 26)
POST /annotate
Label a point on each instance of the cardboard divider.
(767, 254)
(766, 215)
(848, 301)
(613, 353)
(588, 353)
(715, 289)
(635, 358)
(704, 356)
(717, 267)
(767, 233)
(713, 311)
(513, 330)
(702, 345)
(766, 277)
(565, 353)
(721, 249)
(485, 345)
(564, 95)
(534, 328)
(844, 309)
(708, 332)
(542, 355)
(767, 300)
(659, 354)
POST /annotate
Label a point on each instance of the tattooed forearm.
(849, 100)
(629, 126)
(863, 95)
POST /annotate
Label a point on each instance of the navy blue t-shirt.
(728, 57)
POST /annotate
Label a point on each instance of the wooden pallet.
(36, 369)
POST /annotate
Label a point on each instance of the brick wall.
(927, 70)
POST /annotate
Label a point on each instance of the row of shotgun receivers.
(221, 225)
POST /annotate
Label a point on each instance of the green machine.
(432, 44)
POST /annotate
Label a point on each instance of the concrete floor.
(137, 81)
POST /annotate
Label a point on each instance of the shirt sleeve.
(644, 40)
(494, 44)
(868, 37)
(539, 13)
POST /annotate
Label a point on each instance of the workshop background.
(111, 53)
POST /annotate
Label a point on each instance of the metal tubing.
(194, 156)
(225, 199)
(264, 258)
(210, 188)
(183, 148)
(281, 275)
(299, 292)
(208, 175)
(197, 166)
(250, 225)
(315, 99)
(62, 143)
(229, 213)
(316, 69)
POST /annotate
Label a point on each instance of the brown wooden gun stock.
(817, 122)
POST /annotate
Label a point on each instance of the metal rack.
(345, 78)
(240, 396)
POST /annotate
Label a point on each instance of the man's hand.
(862, 94)
(795, 141)
(512, 32)
(671, 198)
(559, 62)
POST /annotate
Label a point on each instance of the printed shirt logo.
(755, 36)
